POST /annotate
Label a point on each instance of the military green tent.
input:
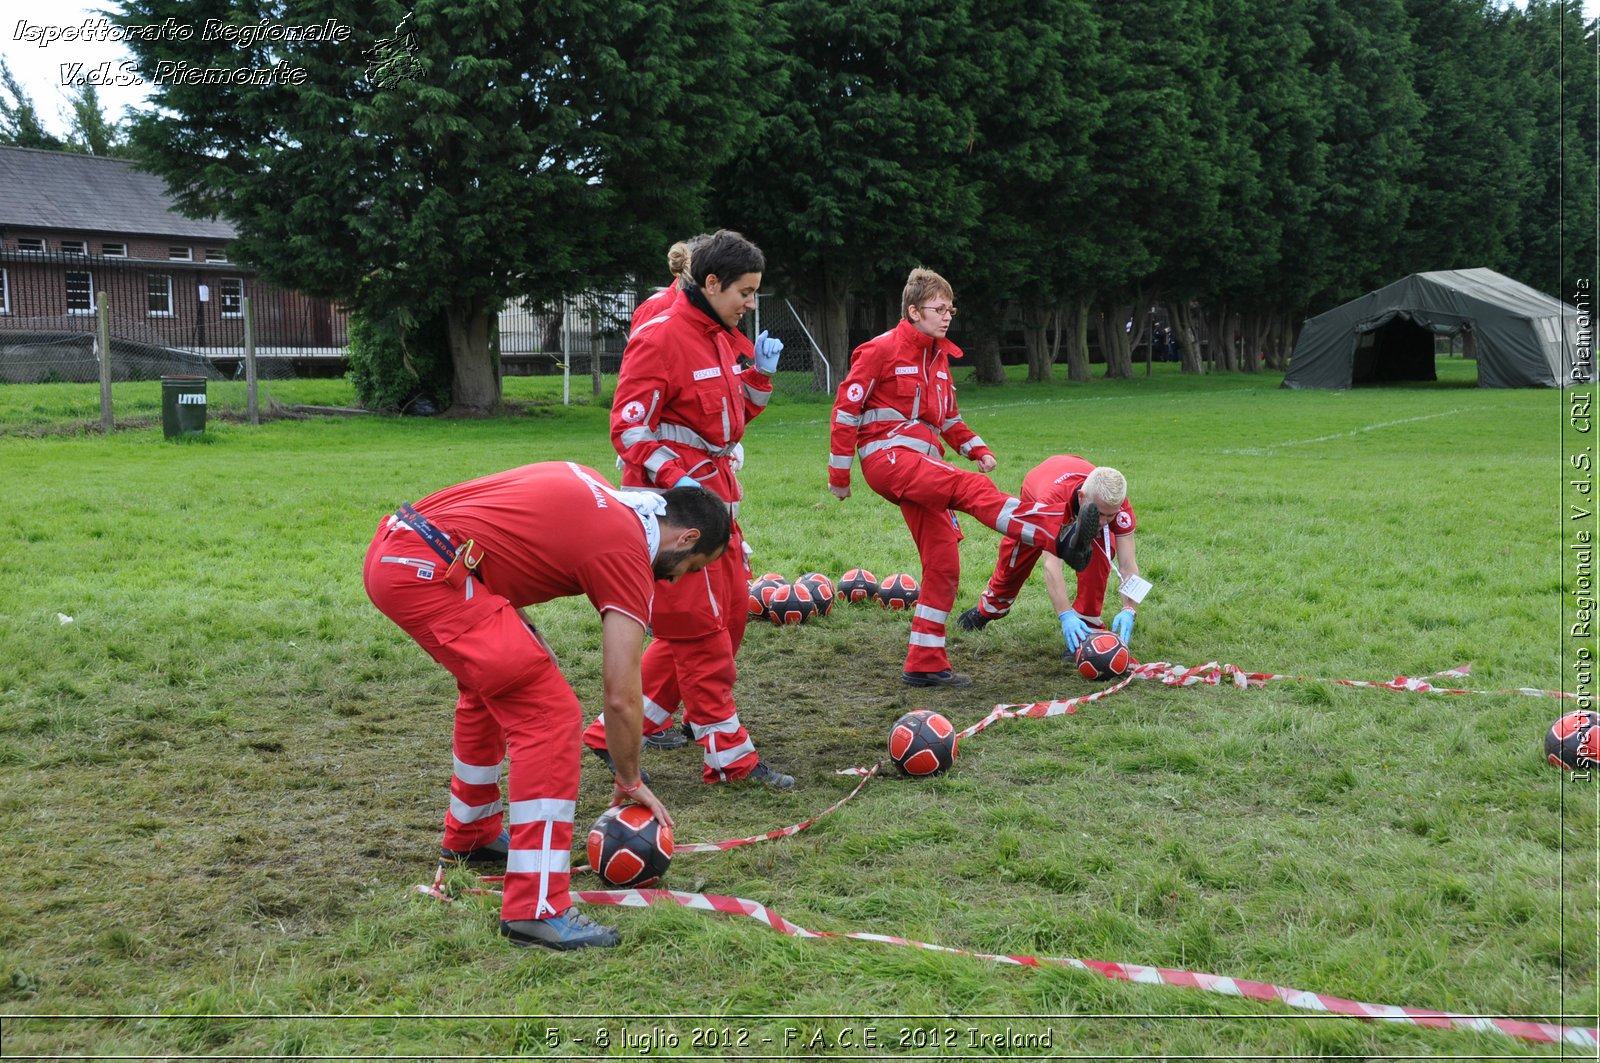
(1523, 338)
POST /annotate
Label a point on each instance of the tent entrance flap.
(1398, 349)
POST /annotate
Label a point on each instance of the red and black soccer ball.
(791, 604)
(857, 585)
(898, 591)
(821, 588)
(922, 743)
(628, 847)
(1102, 656)
(1573, 742)
(761, 591)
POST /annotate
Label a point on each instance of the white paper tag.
(1135, 587)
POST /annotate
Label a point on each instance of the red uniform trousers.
(926, 489)
(691, 659)
(511, 697)
(1016, 563)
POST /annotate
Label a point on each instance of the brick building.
(72, 226)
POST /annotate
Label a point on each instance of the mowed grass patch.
(221, 778)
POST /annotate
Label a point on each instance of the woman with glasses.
(897, 410)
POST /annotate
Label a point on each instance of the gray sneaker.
(1075, 544)
(766, 774)
(569, 930)
(671, 738)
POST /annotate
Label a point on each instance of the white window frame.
(5, 293)
(150, 294)
(113, 250)
(216, 254)
(222, 296)
(74, 247)
(180, 254)
(41, 249)
(73, 311)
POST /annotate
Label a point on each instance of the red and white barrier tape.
(781, 832)
(1550, 1033)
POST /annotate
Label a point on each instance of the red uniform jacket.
(898, 394)
(683, 400)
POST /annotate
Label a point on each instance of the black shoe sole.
(919, 681)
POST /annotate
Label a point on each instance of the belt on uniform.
(461, 560)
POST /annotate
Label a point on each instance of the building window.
(181, 254)
(30, 243)
(5, 293)
(160, 288)
(80, 293)
(230, 290)
(114, 250)
(74, 247)
(216, 254)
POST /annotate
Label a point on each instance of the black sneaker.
(611, 766)
(1075, 545)
(490, 854)
(972, 620)
(945, 678)
(768, 775)
(671, 738)
(569, 930)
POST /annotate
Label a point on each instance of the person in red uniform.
(654, 304)
(683, 400)
(897, 410)
(1069, 480)
(454, 572)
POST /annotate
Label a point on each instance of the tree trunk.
(1035, 326)
(1075, 315)
(986, 367)
(1115, 341)
(1184, 323)
(834, 325)
(475, 385)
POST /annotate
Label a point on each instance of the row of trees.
(1065, 161)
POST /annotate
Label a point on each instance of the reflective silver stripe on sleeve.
(543, 808)
(839, 461)
(972, 444)
(634, 436)
(733, 510)
(477, 774)
(1002, 523)
(950, 423)
(938, 616)
(653, 463)
(466, 813)
(920, 639)
(850, 419)
(883, 413)
(677, 433)
(755, 396)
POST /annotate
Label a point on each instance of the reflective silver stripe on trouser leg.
(545, 860)
(937, 616)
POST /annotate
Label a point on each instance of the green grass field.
(221, 779)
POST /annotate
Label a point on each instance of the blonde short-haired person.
(1069, 480)
(897, 410)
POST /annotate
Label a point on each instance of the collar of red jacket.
(699, 310)
(915, 339)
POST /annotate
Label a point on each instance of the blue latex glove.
(1074, 629)
(687, 481)
(1122, 626)
(767, 352)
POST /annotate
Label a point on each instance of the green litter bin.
(183, 405)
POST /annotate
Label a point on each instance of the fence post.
(566, 356)
(103, 341)
(250, 360)
(596, 346)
